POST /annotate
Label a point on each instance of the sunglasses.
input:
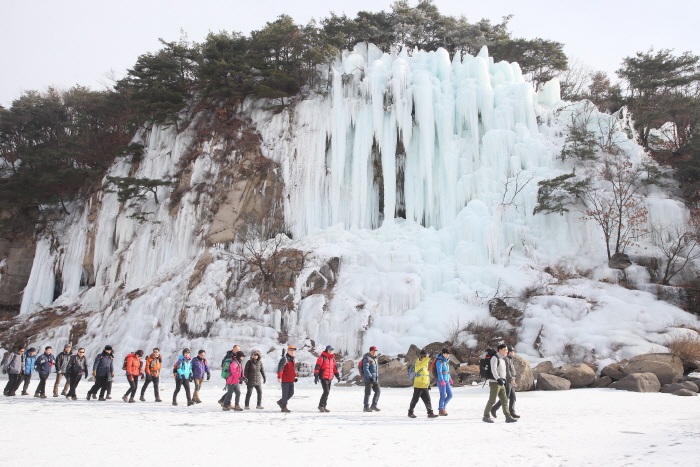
(81, 352)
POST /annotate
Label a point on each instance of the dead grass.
(687, 347)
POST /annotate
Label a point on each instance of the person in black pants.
(102, 370)
(13, 367)
(44, 363)
(76, 369)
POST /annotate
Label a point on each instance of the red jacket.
(326, 367)
(133, 365)
(285, 369)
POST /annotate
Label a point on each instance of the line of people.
(20, 365)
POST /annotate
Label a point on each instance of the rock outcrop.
(524, 378)
(579, 375)
(547, 382)
(394, 375)
(638, 382)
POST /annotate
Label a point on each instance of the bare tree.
(513, 186)
(679, 243)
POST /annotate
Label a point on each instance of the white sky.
(68, 42)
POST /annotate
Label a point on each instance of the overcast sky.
(63, 43)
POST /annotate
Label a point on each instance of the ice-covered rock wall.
(419, 172)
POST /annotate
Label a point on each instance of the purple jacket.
(200, 367)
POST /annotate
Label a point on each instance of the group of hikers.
(21, 364)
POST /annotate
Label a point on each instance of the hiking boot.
(55, 394)
(442, 413)
(190, 403)
(280, 404)
(37, 395)
(238, 408)
(411, 414)
(43, 396)
(487, 420)
(259, 407)
(88, 396)
(158, 399)
(366, 409)
(109, 396)
(63, 393)
(75, 398)
(247, 407)
(225, 407)
(197, 401)
(374, 408)
(221, 402)
(321, 409)
(174, 402)
(432, 415)
(94, 396)
(100, 399)
(25, 393)
(493, 413)
(125, 399)
(510, 420)
(142, 398)
(514, 415)
(131, 400)
(285, 410)
(12, 394)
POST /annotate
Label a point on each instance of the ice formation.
(410, 169)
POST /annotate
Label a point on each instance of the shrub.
(686, 346)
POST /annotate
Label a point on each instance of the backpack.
(226, 367)
(124, 364)
(412, 372)
(485, 365)
(360, 364)
(432, 368)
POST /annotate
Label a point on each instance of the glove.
(315, 379)
(208, 376)
(142, 376)
(451, 383)
(443, 383)
(264, 381)
(501, 381)
(94, 373)
(191, 378)
(337, 376)
(86, 376)
(296, 379)
(4, 372)
(130, 377)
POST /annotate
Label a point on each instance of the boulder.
(462, 353)
(602, 382)
(613, 371)
(684, 392)
(638, 382)
(547, 382)
(524, 378)
(383, 359)
(542, 367)
(435, 348)
(347, 368)
(412, 355)
(500, 310)
(663, 371)
(671, 388)
(674, 361)
(394, 375)
(619, 261)
(579, 375)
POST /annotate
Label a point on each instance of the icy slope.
(418, 172)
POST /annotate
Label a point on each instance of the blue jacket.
(44, 363)
(183, 368)
(370, 369)
(28, 363)
(442, 368)
(104, 364)
(200, 367)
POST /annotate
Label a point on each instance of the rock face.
(412, 355)
(547, 382)
(613, 371)
(16, 258)
(579, 375)
(347, 368)
(602, 382)
(501, 311)
(619, 261)
(524, 378)
(663, 371)
(542, 367)
(638, 382)
(436, 347)
(674, 361)
(394, 375)
(684, 392)
(671, 388)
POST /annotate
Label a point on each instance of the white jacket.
(498, 367)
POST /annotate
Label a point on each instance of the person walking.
(182, 372)
(497, 385)
(287, 376)
(233, 382)
(421, 385)
(102, 370)
(13, 368)
(200, 367)
(254, 373)
(510, 385)
(444, 381)
(76, 368)
(154, 363)
(370, 375)
(226, 369)
(29, 361)
(134, 369)
(326, 368)
(44, 363)
(61, 365)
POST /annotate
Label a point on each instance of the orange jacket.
(133, 365)
(153, 365)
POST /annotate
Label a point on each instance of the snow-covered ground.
(567, 428)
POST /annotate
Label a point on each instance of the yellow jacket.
(422, 379)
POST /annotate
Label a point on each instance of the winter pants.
(424, 394)
(60, 376)
(13, 382)
(287, 393)
(133, 386)
(500, 393)
(510, 392)
(41, 388)
(369, 387)
(179, 382)
(249, 392)
(326, 385)
(230, 389)
(26, 379)
(445, 395)
(197, 387)
(110, 380)
(151, 379)
(100, 385)
(73, 381)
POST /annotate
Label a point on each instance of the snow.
(572, 428)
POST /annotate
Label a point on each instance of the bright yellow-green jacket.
(422, 379)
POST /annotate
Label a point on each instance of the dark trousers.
(510, 392)
(326, 385)
(59, 377)
(133, 386)
(109, 386)
(249, 392)
(424, 394)
(13, 382)
(73, 381)
(180, 382)
(100, 385)
(230, 390)
(26, 379)
(369, 387)
(41, 388)
(287, 393)
(151, 379)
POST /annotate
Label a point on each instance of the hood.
(106, 354)
(440, 357)
(256, 352)
(328, 354)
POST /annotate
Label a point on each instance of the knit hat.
(372, 349)
(31, 349)
(240, 354)
(108, 347)
(329, 348)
